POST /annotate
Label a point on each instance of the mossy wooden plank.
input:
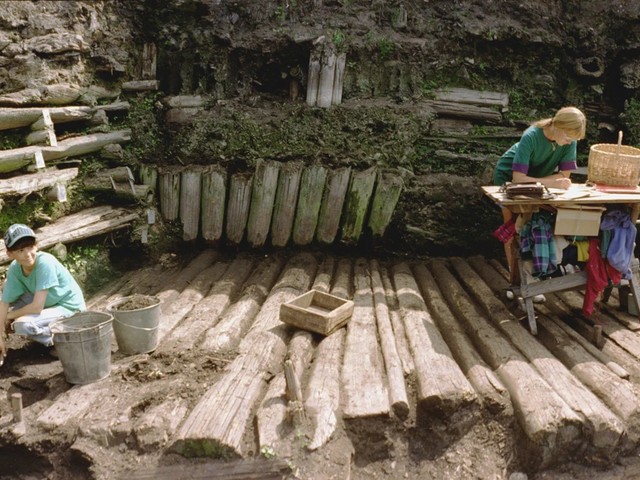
(190, 193)
(309, 200)
(357, 203)
(169, 189)
(238, 208)
(265, 183)
(332, 203)
(214, 194)
(384, 202)
(284, 209)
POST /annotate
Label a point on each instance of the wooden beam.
(285, 203)
(309, 201)
(34, 182)
(265, 182)
(332, 203)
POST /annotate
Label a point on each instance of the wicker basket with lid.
(614, 164)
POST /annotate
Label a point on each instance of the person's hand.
(563, 182)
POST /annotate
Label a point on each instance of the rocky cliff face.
(248, 62)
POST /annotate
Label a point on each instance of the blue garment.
(620, 249)
(536, 238)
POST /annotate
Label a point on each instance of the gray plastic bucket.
(83, 343)
(136, 330)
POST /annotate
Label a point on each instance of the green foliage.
(90, 266)
(339, 38)
(12, 139)
(146, 122)
(631, 121)
(385, 48)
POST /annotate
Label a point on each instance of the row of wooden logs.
(280, 202)
(440, 324)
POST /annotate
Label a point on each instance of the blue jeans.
(36, 327)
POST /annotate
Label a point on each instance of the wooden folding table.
(576, 196)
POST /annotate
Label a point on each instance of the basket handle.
(619, 143)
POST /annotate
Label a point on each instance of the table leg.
(634, 283)
(528, 301)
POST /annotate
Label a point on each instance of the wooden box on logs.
(317, 312)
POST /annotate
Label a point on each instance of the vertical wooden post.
(327, 75)
(149, 60)
(214, 193)
(313, 78)
(384, 202)
(190, 195)
(170, 194)
(338, 80)
(239, 203)
(357, 204)
(309, 200)
(332, 203)
(16, 407)
(265, 182)
(284, 209)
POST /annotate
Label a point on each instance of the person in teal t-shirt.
(545, 153)
(37, 291)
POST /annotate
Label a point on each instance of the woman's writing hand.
(564, 183)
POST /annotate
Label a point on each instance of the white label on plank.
(39, 159)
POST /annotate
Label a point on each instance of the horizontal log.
(458, 110)
(141, 85)
(78, 229)
(472, 97)
(23, 117)
(36, 181)
(18, 158)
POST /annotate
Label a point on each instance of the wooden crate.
(317, 312)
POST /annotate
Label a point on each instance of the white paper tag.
(151, 216)
(62, 192)
(53, 140)
(46, 117)
(39, 159)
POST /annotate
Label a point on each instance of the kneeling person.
(37, 291)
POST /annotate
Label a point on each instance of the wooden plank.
(357, 205)
(602, 431)
(149, 175)
(190, 200)
(384, 202)
(34, 182)
(458, 110)
(309, 200)
(260, 469)
(149, 61)
(214, 194)
(238, 208)
(169, 191)
(17, 158)
(265, 182)
(472, 97)
(492, 392)
(284, 210)
(260, 355)
(364, 386)
(392, 363)
(441, 385)
(226, 334)
(332, 203)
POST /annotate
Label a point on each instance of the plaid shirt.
(536, 238)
